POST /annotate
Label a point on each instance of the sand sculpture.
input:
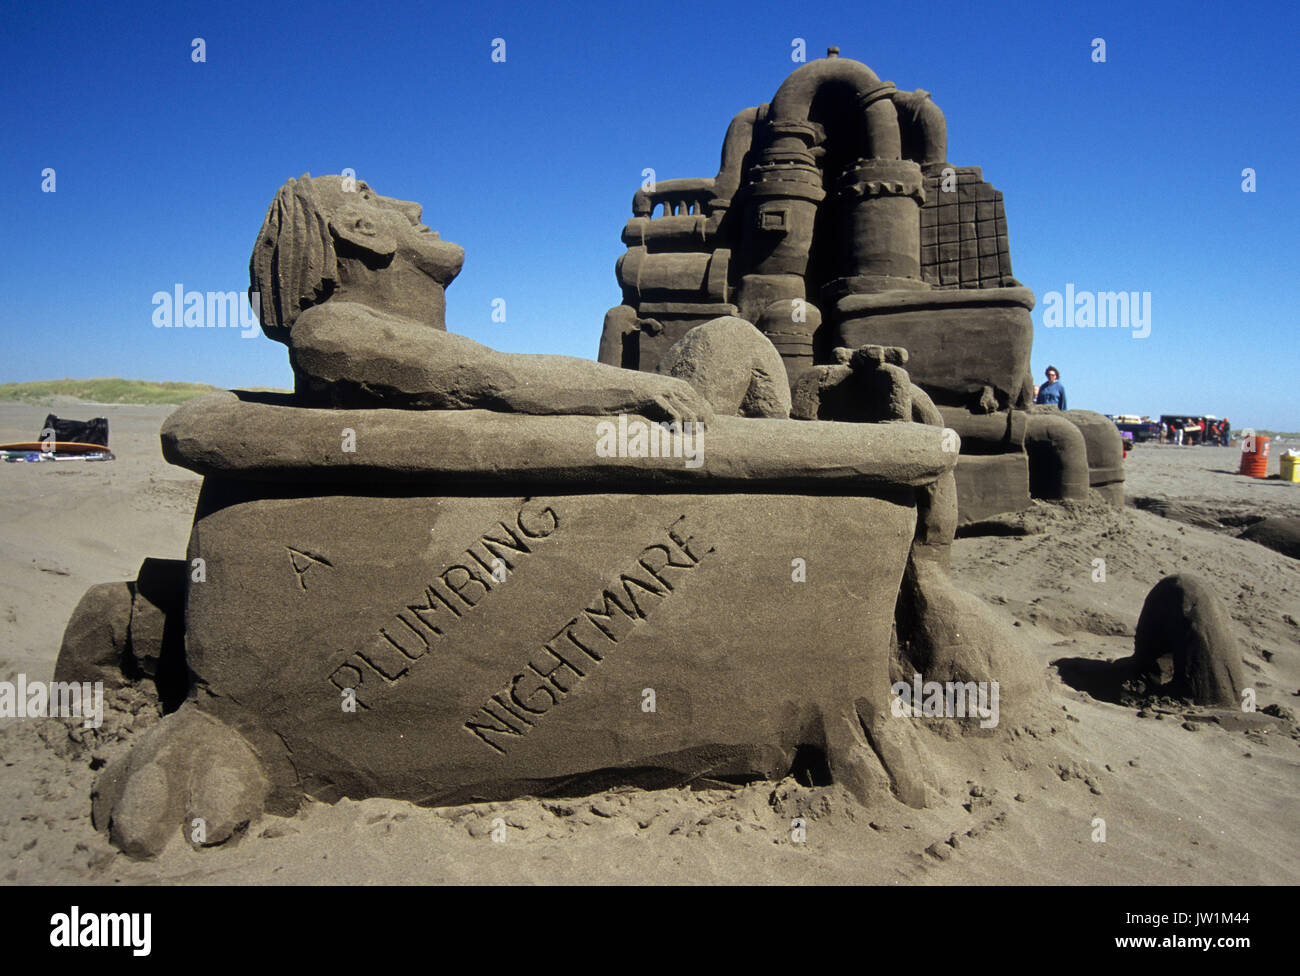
(1185, 650)
(1280, 533)
(1184, 646)
(442, 573)
(835, 220)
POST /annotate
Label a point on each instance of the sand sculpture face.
(330, 231)
(384, 227)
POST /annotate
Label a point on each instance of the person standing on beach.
(1052, 391)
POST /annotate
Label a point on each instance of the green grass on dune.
(113, 390)
(1277, 435)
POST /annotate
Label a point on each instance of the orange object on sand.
(1255, 462)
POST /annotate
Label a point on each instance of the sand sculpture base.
(496, 646)
(381, 622)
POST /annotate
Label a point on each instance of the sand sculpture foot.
(190, 775)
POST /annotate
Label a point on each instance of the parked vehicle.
(1137, 429)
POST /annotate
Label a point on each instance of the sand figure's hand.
(675, 400)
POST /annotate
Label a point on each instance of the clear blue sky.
(1117, 176)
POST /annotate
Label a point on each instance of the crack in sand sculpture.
(480, 600)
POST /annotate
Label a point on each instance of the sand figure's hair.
(293, 266)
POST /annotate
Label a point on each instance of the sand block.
(1279, 533)
(443, 649)
(958, 341)
(1185, 645)
(989, 484)
(157, 609)
(95, 642)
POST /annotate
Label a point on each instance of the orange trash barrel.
(1255, 462)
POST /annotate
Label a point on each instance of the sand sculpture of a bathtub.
(503, 607)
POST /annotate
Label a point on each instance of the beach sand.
(1186, 795)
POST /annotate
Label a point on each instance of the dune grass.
(110, 390)
(1286, 435)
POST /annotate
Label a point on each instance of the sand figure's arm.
(355, 356)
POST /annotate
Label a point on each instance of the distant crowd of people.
(1214, 433)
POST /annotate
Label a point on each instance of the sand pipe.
(1058, 457)
(922, 125)
(736, 145)
(794, 99)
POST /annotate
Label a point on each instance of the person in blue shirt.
(1052, 391)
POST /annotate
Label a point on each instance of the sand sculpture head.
(320, 232)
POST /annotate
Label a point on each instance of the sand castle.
(442, 573)
(835, 220)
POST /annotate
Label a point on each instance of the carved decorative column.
(881, 243)
(783, 191)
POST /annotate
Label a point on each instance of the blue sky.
(1117, 176)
